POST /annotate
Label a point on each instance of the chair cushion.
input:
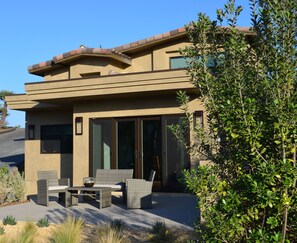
(56, 188)
(112, 186)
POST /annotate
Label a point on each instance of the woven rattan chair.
(139, 192)
(48, 183)
(113, 178)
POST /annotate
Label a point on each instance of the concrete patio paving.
(174, 209)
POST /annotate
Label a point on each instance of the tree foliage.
(248, 191)
(3, 107)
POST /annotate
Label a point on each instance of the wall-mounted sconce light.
(198, 119)
(31, 132)
(78, 125)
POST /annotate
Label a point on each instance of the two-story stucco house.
(108, 108)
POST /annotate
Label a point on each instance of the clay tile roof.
(151, 39)
(118, 51)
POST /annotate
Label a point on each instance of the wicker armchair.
(139, 192)
(49, 183)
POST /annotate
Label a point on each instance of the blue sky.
(34, 31)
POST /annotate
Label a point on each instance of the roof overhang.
(68, 57)
(122, 85)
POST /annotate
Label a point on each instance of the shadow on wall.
(14, 160)
(66, 166)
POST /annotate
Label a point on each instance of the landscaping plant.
(160, 233)
(43, 222)
(9, 220)
(247, 82)
(12, 185)
(118, 225)
(28, 234)
(70, 231)
(2, 230)
(112, 233)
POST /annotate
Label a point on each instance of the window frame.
(57, 136)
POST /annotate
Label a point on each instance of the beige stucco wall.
(163, 53)
(57, 74)
(95, 64)
(151, 59)
(34, 160)
(126, 107)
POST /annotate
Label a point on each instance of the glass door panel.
(175, 156)
(126, 144)
(101, 145)
(151, 148)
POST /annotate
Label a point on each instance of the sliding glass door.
(139, 145)
(142, 144)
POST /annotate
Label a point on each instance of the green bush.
(9, 220)
(248, 191)
(43, 222)
(12, 185)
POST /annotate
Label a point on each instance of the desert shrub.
(4, 170)
(17, 185)
(2, 230)
(110, 234)
(9, 220)
(159, 233)
(117, 225)
(43, 222)
(28, 234)
(70, 231)
(12, 185)
(3, 191)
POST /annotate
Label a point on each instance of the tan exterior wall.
(162, 54)
(93, 65)
(57, 74)
(153, 59)
(34, 160)
(136, 107)
(141, 62)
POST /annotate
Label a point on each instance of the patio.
(174, 209)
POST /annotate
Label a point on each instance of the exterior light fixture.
(78, 125)
(198, 119)
(31, 132)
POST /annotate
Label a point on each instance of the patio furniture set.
(136, 193)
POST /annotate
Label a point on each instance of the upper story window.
(91, 75)
(178, 62)
(182, 62)
(56, 138)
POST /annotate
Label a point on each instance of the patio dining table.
(73, 193)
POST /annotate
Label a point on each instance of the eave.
(22, 103)
(122, 85)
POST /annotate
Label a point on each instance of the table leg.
(105, 198)
(71, 198)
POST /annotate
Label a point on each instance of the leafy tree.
(3, 108)
(248, 190)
